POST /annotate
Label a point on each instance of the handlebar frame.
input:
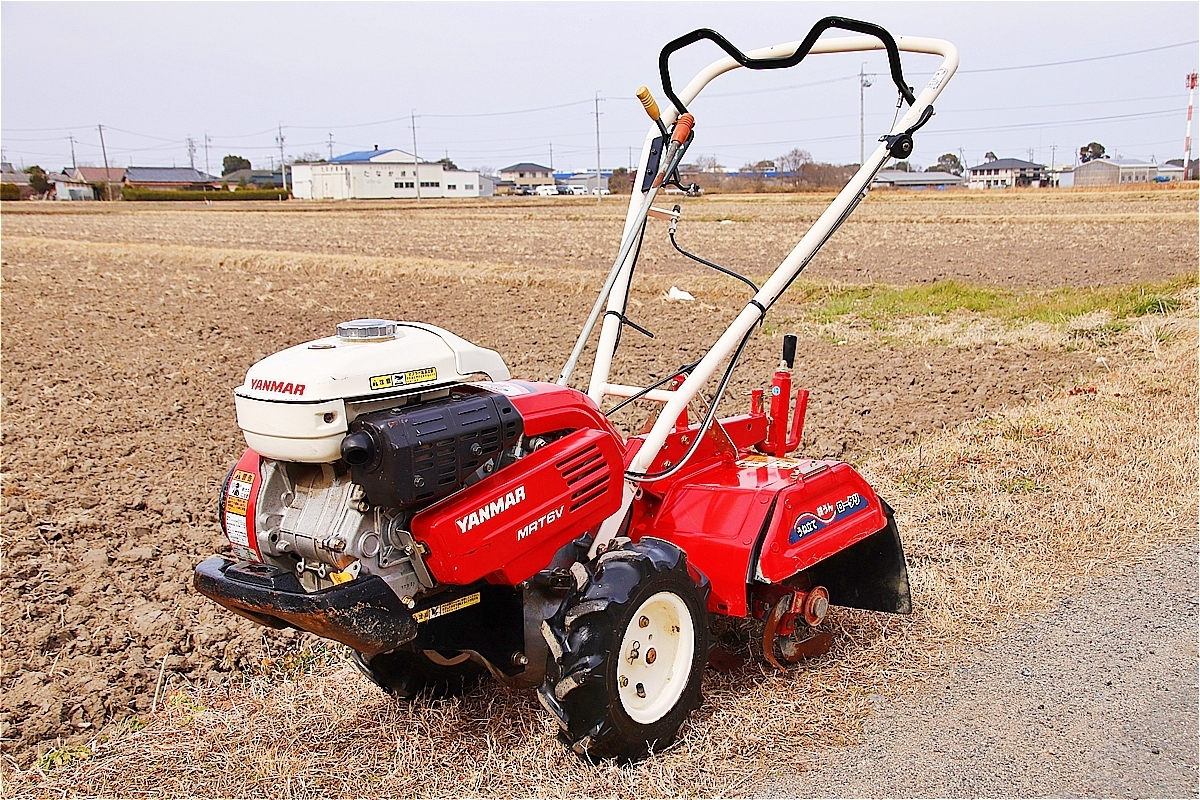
(782, 62)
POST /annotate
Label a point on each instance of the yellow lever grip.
(648, 103)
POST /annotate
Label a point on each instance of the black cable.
(717, 267)
(646, 477)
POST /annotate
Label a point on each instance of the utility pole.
(73, 166)
(107, 182)
(552, 159)
(863, 83)
(416, 161)
(599, 193)
(331, 145)
(191, 148)
(279, 139)
(1187, 142)
(207, 142)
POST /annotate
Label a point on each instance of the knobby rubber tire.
(585, 635)
(407, 674)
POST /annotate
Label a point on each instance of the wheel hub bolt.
(643, 622)
(650, 656)
(624, 681)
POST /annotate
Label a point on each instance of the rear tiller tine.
(781, 624)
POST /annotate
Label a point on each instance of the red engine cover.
(508, 526)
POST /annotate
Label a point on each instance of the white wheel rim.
(655, 659)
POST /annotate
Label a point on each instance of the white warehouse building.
(380, 175)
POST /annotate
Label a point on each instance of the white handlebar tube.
(617, 286)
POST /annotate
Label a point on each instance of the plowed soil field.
(126, 327)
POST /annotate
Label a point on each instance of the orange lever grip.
(683, 127)
(648, 103)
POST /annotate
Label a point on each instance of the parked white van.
(546, 191)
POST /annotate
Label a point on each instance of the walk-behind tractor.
(405, 496)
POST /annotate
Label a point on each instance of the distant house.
(1171, 171)
(587, 180)
(99, 174)
(899, 179)
(1114, 171)
(1005, 173)
(20, 179)
(113, 176)
(166, 178)
(379, 175)
(68, 187)
(487, 185)
(529, 175)
(1175, 168)
(256, 178)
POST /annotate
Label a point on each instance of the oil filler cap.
(366, 330)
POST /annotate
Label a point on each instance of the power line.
(1080, 60)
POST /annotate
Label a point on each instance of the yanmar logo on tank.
(497, 506)
(279, 387)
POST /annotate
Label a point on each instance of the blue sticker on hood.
(825, 515)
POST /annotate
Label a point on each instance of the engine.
(400, 451)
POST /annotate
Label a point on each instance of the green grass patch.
(878, 304)
(61, 757)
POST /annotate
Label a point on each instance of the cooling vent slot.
(586, 473)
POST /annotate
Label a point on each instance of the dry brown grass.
(1000, 517)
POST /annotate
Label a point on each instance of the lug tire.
(407, 674)
(616, 691)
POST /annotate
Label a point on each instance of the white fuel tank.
(296, 405)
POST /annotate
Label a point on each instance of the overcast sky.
(155, 74)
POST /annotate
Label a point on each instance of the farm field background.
(994, 362)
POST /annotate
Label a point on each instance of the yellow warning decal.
(778, 462)
(242, 475)
(397, 379)
(235, 505)
(447, 608)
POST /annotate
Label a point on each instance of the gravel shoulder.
(1097, 698)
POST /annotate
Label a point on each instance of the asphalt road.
(1096, 698)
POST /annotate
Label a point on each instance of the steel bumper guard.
(363, 614)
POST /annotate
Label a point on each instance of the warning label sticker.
(776, 462)
(398, 379)
(447, 608)
(238, 494)
(235, 529)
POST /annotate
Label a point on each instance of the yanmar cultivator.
(404, 495)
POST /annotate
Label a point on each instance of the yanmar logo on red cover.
(279, 387)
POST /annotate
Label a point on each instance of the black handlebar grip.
(789, 349)
(844, 23)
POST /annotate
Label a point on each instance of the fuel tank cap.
(366, 330)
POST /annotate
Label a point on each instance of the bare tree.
(793, 163)
(709, 164)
